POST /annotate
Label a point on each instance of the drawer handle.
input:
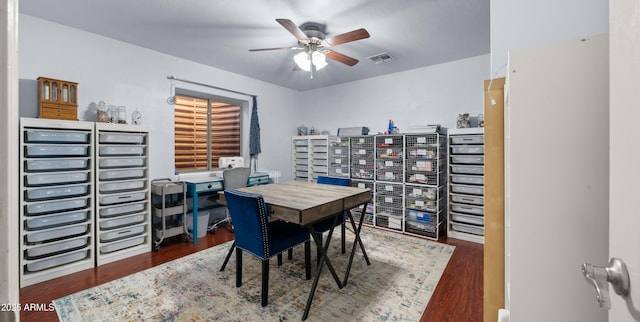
(124, 197)
(469, 200)
(124, 232)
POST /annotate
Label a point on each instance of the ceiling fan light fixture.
(302, 60)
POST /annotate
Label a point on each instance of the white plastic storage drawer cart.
(466, 184)
(122, 199)
(56, 199)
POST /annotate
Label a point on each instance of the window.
(205, 130)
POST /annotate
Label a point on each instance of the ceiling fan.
(311, 39)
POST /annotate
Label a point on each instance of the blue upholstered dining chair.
(262, 238)
(325, 225)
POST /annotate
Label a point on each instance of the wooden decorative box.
(57, 99)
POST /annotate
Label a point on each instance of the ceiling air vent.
(381, 58)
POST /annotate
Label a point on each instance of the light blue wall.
(429, 95)
(519, 24)
(123, 74)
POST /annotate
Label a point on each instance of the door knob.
(600, 277)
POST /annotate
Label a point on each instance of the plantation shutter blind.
(225, 131)
(197, 137)
(191, 133)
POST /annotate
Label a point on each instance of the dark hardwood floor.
(458, 297)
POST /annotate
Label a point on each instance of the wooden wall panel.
(494, 200)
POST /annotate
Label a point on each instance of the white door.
(557, 179)
(624, 214)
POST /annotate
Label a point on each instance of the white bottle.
(136, 117)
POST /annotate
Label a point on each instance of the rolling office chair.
(260, 237)
(232, 179)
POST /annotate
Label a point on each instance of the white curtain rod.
(211, 86)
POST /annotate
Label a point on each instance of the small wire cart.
(168, 201)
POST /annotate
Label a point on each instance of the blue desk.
(196, 186)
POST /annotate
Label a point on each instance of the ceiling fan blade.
(347, 37)
(341, 58)
(277, 48)
(293, 29)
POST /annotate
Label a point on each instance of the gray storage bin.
(473, 200)
(121, 174)
(112, 247)
(110, 187)
(474, 190)
(48, 221)
(121, 150)
(471, 229)
(56, 178)
(467, 169)
(468, 209)
(56, 136)
(56, 164)
(118, 234)
(122, 210)
(57, 192)
(121, 198)
(116, 222)
(54, 233)
(120, 162)
(128, 138)
(57, 247)
(467, 139)
(467, 149)
(467, 179)
(467, 219)
(49, 262)
(57, 150)
(56, 206)
(467, 159)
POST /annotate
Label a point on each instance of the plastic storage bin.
(57, 150)
(122, 210)
(49, 249)
(48, 221)
(128, 138)
(121, 221)
(203, 222)
(56, 178)
(33, 136)
(57, 192)
(56, 261)
(123, 233)
(56, 164)
(121, 198)
(121, 162)
(112, 247)
(40, 236)
(34, 209)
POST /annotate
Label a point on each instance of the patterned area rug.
(397, 286)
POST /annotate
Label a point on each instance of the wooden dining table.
(306, 203)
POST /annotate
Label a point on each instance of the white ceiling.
(219, 33)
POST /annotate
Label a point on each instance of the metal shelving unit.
(425, 184)
(168, 200)
(339, 157)
(362, 157)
